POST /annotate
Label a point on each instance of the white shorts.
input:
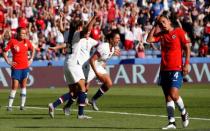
(90, 74)
(73, 73)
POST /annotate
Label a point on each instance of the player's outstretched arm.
(60, 46)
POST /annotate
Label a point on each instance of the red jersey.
(41, 23)
(96, 33)
(1, 20)
(19, 51)
(111, 14)
(23, 22)
(171, 49)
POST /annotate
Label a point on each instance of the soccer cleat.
(66, 111)
(83, 117)
(9, 108)
(93, 103)
(51, 110)
(185, 120)
(22, 108)
(171, 125)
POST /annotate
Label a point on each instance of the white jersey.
(74, 62)
(105, 53)
(81, 51)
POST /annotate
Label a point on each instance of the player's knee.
(109, 84)
(174, 97)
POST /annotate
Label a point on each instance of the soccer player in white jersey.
(74, 73)
(96, 66)
(98, 63)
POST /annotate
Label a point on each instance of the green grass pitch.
(121, 109)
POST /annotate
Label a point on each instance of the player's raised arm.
(89, 25)
(60, 46)
(151, 37)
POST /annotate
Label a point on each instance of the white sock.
(170, 110)
(180, 105)
(11, 97)
(23, 96)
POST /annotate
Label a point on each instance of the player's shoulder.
(103, 45)
(27, 40)
(13, 40)
(179, 30)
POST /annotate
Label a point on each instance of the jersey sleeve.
(8, 46)
(183, 36)
(94, 42)
(157, 39)
(103, 51)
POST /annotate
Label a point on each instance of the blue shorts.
(20, 74)
(170, 79)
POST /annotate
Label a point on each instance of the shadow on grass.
(31, 116)
(88, 127)
(17, 118)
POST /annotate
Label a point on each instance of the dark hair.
(18, 32)
(78, 24)
(111, 35)
(84, 31)
(170, 16)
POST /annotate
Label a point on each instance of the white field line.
(119, 113)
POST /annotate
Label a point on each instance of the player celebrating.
(19, 65)
(98, 61)
(173, 41)
(73, 71)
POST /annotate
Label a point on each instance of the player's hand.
(12, 64)
(117, 51)
(186, 69)
(157, 21)
(30, 62)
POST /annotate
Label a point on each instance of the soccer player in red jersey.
(174, 41)
(19, 47)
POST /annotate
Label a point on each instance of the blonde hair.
(7, 31)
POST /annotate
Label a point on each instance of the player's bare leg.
(104, 88)
(15, 84)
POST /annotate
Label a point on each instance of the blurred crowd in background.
(48, 23)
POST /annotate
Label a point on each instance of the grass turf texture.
(142, 104)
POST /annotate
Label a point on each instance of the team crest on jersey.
(173, 36)
(17, 48)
